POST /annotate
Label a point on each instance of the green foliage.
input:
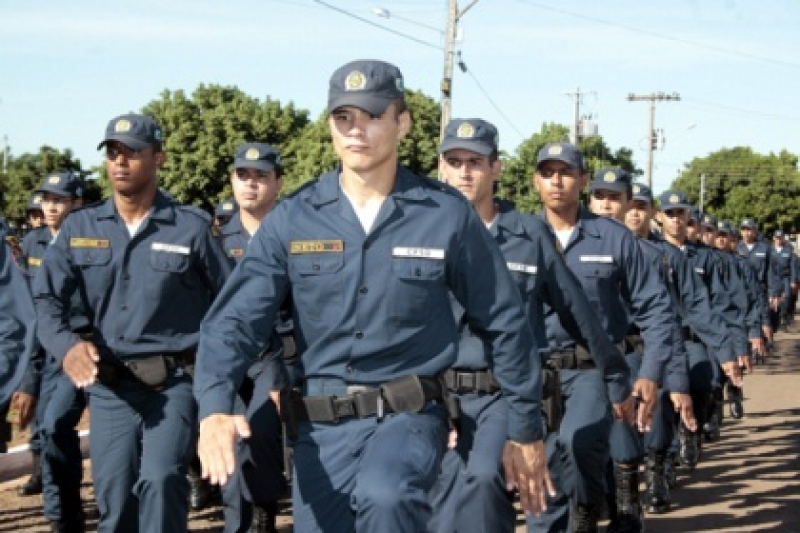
(740, 183)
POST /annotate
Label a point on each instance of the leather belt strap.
(471, 381)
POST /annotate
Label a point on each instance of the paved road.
(748, 481)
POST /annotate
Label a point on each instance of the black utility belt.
(634, 343)
(150, 370)
(464, 381)
(405, 394)
(572, 359)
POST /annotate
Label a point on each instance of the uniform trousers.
(141, 443)
(470, 494)
(369, 474)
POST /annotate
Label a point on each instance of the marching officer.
(147, 270)
(370, 253)
(784, 256)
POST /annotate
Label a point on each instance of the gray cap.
(471, 134)
(260, 156)
(611, 179)
(709, 221)
(565, 152)
(137, 132)
(748, 223)
(366, 84)
(35, 202)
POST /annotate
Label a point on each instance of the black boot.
(671, 469)
(34, 483)
(264, 517)
(629, 509)
(688, 447)
(658, 499)
(735, 399)
(585, 519)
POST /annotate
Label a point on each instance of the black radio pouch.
(405, 394)
(150, 371)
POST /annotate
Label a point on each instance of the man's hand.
(732, 370)
(216, 445)
(757, 346)
(684, 406)
(774, 302)
(80, 364)
(525, 467)
(746, 362)
(767, 331)
(275, 396)
(645, 391)
(25, 406)
(625, 411)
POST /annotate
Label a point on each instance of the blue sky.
(67, 67)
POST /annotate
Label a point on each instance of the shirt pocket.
(168, 273)
(317, 284)
(599, 281)
(416, 286)
(94, 266)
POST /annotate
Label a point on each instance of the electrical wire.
(464, 69)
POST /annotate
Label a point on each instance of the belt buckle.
(465, 381)
(357, 389)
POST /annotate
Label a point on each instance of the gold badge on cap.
(252, 154)
(465, 131)
(227, 206)
(636, 189)
(53, 180)
(355, 81)
(674, 199)
(609, 177)
(122, 126)
(554, 150)
(37, 199)
(708, 219)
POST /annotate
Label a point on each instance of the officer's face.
(132, 171)
(638, 217)
(559, 185)
(365, 143)
(675, 222)
(612, 204)
(709, 236)
(470, 173)
(692, 231)
(748, 235)
(255, 190)
(55, 208)
(35, 218)
(721, 241)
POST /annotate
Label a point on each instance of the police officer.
(147, 270)
(252, 493)
(760, 257)
(33, 212)
(60, 404)
(370, 253)
(783, 253)
(470, 494)
(224, 212)
(607, 261)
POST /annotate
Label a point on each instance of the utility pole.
(702, 191)
(652, 135)
(575, 135)
(454, 14)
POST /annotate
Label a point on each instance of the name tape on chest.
(80, 242)
(607, 259)
(34, 261)
(699, 270)
(170, 248)
(425, 253)
(761, 254)
(521, 267)
(236, 252)
(315, 247)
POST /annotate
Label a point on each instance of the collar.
(407, 186)
(233, 226)
(163, 208)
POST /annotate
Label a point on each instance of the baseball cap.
(674, 200)
(709, 221)
(137, 132)
(610, 179)
(565, 152)
(35, 202)
(226, 208)
(725, 226)
(471, 134)
(62, 183)
(367, 84)
(748, 223)
(260, 156)
(778, 233)
(641, 192)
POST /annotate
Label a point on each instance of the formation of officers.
(426, 352)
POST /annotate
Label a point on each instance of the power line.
(464, 69)
(666, 37)
(375, 24)
(745, 111)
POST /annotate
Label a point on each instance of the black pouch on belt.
(291, 403)
(405, 394)
(552, 402)
(150, 371)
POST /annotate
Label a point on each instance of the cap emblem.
(674, 199)
(37, 199)
(465, 131)
(122, 126)
(53, 180)
(252, 154)
(609, 177)
(554, 150)
(227, 206)
(636, 189)
(356, 81)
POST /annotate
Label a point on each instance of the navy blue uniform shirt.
(784, 262)
(761, 259)
(604, 256)
(144, 294)
(372, 307)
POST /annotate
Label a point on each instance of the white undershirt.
(133, 229)
(366, 214)
(563, 236)
(492, 223)
(749, 246)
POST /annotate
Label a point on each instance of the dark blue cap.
(226, 208)
(748, 223)
(565, 152)
(611, 179)
(709, 221)
(137, 132)
(778, 233)
(260, 156)
(471, 134)
(35, 202)
(366, 84)
(725, 226)
(674, 200)
(641, 192)
(694, 214)
(62, 184)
